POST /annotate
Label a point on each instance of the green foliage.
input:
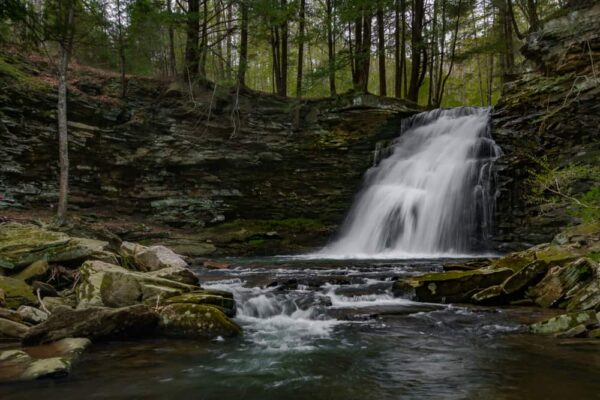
(554, 186)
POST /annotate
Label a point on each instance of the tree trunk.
(172, 63)
(452, 56)
(301, 24)
(398, 44)
(331, 47)
(204, 42)
(192, 56)
(362, 53)
(229, 44)
(243, 44)
(220, 59)
(65, 44)
(534, 20)
(432, 50)
(442, 59)
(381, 51)
(507, 57)
(417, 49)
(403, 49)
(121, 45)
(284, 51)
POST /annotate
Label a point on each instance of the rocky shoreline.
(59, 293)
(563, 274)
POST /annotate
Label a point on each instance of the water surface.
(332, 330)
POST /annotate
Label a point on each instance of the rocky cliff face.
(247, 180)
(552, 110)
(191, 161)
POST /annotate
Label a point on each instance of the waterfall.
(432, 195)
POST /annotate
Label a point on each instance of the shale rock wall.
(552, 110)
(188, 161)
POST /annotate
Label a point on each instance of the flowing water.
(433, 195)
(332, 330)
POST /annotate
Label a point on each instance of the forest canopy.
(434, 52)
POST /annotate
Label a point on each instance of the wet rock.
(16, 292)
(576, 331)
(560, 281)
(494, 295)
(32, 314)
(48, 361)
(196, 321)
(563, 323)
(10, 315)
(95, 323)
(453, 286)
(212, 264)
(594, 333)
(222, 300)
(103, 284)
(158, 257)
(35, 270)
(11, 329)
(527, 276)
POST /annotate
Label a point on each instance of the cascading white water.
(432, 196)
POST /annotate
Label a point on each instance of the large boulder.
(103, 284)
(177, 274)
(16, 292)
(514, 286)
(22, 245)
(451, 286)
(10, 329)
(32, 314)
(48, 361)
(158, 257)
(185, 320)
(560, 281)
(151, 258)
(95, 323)
(586, 298)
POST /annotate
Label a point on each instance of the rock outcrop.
(159, 156)
(551, 110)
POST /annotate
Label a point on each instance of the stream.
(332, 330)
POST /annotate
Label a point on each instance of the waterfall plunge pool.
(332, 330)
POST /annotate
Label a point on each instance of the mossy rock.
(36, 269)
(586, 298)
(196, 321)
(563, 323)
(453, 286)
(559, 281)
(22, 245)
(223, 300)
(16, 292)
(103, 284)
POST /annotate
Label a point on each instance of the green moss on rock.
(16, 292)
(196, 321)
